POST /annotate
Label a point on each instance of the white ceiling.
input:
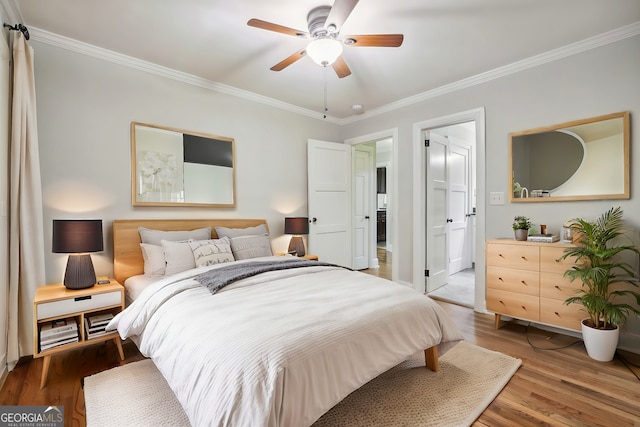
(445, 40)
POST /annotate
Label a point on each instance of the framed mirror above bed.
(175, 167)
(580, 160)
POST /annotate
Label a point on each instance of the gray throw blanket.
(217, 278)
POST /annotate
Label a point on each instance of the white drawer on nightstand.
(80, 303)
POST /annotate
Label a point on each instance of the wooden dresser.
(525, 281)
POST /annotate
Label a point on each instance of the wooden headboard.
(127, 256)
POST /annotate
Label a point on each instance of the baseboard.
(630, 342)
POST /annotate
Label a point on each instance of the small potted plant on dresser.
(521, 226)
(606, 281)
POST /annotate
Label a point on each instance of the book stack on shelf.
(58, 332)
(95, 325)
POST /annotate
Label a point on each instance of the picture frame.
(175, 167)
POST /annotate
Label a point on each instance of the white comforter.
(280, 348)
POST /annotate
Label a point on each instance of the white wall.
(85, 107)
(599, 81)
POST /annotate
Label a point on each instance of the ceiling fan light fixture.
(324, 51)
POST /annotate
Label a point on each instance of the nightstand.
(307, 256)
(56, 303)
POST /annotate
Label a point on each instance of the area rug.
(470, 377)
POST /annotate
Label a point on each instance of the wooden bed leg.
(431, 358)
(497, 321)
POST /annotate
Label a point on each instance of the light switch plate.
(496, 198)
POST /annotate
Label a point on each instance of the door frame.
(372, 137)
(419, 196)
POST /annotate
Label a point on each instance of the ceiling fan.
(324, 24)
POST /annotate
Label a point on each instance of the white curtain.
(26, 235)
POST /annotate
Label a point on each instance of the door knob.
(314, 219)
(366, 217)
(449, 220)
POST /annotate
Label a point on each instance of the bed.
(278, 348)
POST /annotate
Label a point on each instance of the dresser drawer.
(512, 304)
(555, 286)
(81, 303)
(512, 280)
(522, 257)
(557, 313)
(550, 260)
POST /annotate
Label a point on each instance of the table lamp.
(78, 237)
(296, 226)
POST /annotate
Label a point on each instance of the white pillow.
(245, 247)
(154, 263)
(156, 236)
(209, 252)
(178, 255)
(258, 230)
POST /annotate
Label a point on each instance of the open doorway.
(450, 224)
(382, 213)
(444, 214)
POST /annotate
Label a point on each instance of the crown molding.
(131, 62)
(67, 43)
(525, 64)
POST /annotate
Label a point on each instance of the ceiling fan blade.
(339, 13)
(269, 26)
(376, 40)
(288, 61)
(341, 68)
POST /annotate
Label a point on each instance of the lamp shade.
(296, 225)
(77, 236)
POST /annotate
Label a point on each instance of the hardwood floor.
(384, 261)
(561, 387)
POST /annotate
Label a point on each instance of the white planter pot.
(521, 234)
(600, 343)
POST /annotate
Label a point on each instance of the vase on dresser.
(521, 234)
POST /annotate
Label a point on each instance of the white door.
(329, 200)
(458, 167)
(436, 261)
(363, 167)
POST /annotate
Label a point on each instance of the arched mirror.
(174, 167)
(580, 160)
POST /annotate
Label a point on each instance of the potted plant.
(606, 280)
(521, 226)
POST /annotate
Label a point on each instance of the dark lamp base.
(297, 244)
(79, 273)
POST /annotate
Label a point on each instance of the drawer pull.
(557, 314)
(500, 255)
(523, 282)
(523, 307)
(557, 287)
(500, 278)
(501, 302)
(524, 257)
(82, 298)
